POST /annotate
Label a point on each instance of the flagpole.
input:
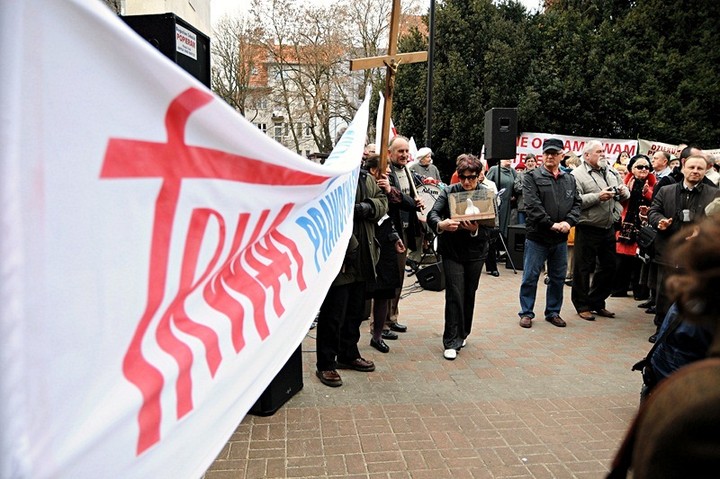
(431, 50)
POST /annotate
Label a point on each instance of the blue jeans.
(521, 217)
(534, 258)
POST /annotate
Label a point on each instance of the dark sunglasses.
(642, 167)
(469, 177)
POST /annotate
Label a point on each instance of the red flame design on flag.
(174, 161)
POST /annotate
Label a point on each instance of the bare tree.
(321, 47)
(277, 20)
(370, 27)
(237, 59)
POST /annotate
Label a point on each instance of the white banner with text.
(161, 257)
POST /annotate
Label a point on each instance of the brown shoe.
(358, 364)
(586, 315)
(329, 378)
(526, 322)
(556, 321)
(605, 313)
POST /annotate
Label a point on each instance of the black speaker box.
(176, 39)
(432, 277)
(516, 246)
(284, 386)
(500, 133)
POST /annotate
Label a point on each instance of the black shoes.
(379, 345)
(646, 304)
(387, 334)
(494, 273)
(400, 328)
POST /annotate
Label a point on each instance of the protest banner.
(532, 143)
(649, 148)
(162, 257)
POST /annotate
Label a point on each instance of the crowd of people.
(599, 225)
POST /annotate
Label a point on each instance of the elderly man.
(711, 174)
(601, 190)
(403, 206)
(424, 167)
(553, 204)
(676, 205)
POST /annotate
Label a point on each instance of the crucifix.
(391, 61)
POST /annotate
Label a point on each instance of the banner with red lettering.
(161, 257)
(649, 148)
(532, 143)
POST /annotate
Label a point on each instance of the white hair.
(591, 145)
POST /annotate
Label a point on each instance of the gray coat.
(590, 183)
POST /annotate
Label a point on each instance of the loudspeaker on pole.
(500, 134)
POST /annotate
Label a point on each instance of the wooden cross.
(392, 60)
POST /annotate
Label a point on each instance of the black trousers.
(594, 251)
(338, 326)
(461, 284)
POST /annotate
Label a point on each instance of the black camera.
(616, 193)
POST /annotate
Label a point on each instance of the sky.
(218, 8)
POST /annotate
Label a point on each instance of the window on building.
(299, 129)
(287, 131)
(278, 133)
(262, 127)
(307, 130)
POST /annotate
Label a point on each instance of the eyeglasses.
(641, 167)
(469, 177)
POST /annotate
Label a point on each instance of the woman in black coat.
(463, 246)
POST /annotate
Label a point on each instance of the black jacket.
(549, 200)
(402, 209)
(668, 204)
(457, 245)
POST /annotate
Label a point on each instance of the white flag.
(412, 146)
(379, 122)
(161, 257)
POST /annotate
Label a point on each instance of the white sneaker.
(464, 343)
(450, 354)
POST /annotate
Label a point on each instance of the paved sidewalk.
(544, 402)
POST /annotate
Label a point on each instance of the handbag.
(646, 236)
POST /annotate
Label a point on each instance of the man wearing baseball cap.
(552, 206)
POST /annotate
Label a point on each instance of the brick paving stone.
(543, 402)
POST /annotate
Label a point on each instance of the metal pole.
(431, 50)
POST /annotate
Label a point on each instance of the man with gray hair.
(711, 174)
(601, 190)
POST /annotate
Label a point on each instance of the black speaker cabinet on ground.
(432, 277)
(176, 39)
(500, 133)
(287, 382)
(516, 246)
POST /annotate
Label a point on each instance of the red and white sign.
(532, 143)
(185, 42)
(161, 257)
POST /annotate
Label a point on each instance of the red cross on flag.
(162, 258)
